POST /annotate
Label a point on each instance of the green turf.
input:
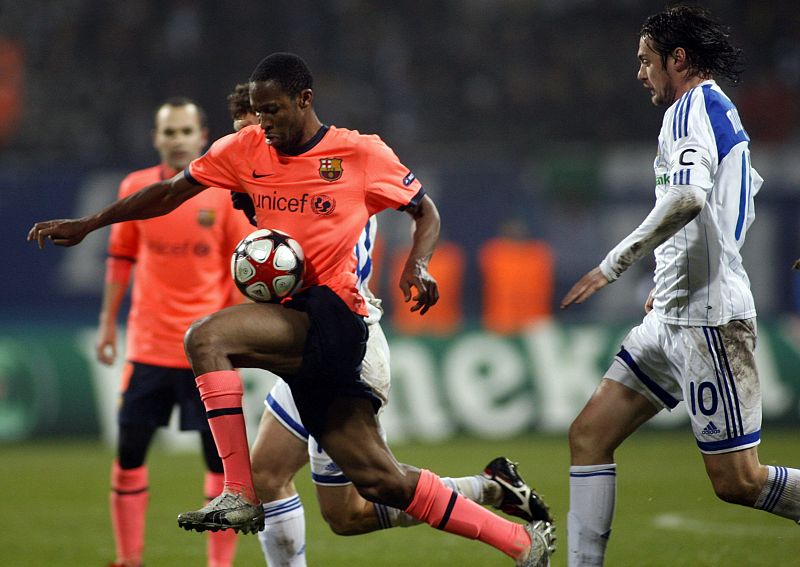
(55, 494)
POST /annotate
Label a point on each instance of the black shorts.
(335, 347)
(151, 393)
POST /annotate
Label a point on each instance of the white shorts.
(713, 369)
(375, 372)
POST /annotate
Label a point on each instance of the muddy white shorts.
(712, 369)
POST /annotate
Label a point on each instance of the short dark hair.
(286, 69)
(184, 101)
(708, 49)
(239, 101)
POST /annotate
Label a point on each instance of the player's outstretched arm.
(415, 272)
(585, 288)
(152, 201)
(679, 206)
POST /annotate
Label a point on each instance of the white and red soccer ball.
(267, 265)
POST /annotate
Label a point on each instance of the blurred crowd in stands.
(440, 79)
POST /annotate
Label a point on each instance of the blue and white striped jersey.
(364, 249)
(699, 277)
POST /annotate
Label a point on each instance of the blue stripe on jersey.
(363, 272)
(742, 197)
(661, 393)
(778, 485)
(680, 118)
(686, 113)
(722, 114)
(367, 241)
(676, 119)
(285, 417)
(329, 479)
(732, 443)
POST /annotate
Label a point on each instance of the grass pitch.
(55, 502)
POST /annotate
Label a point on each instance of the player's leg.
(248, 335)
(145, 404)
(739, 478)
(612, 413)
(278, 452)
(221, 545)
(724, 404)
(639, 383)
(348, 513)
(352, 438)
(130, 493)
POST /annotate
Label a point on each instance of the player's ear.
(679, 58)
(305, 99)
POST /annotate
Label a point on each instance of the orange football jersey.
(182, 268)
(322, 196)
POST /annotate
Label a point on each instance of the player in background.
(697, 338)
(182, 272)
(320, 184)
(282, 445)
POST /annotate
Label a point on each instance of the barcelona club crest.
(206, 217)
(330, 169)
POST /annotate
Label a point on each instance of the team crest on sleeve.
(206, 217)
(323, 204)
(330, 169)
(409, 179)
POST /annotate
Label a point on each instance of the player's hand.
(62, 232)
(585, 288)
(244, 203)
(106, 347)
(796, 265)
(418, 277)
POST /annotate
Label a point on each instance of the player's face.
(282, 117)
(655, 76)
(243, 120)
(179, 137)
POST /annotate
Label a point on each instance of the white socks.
(781, 493)
(592, 496)
(283, 539)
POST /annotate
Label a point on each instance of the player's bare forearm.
(415, 274)
(585, 288)
(152, 201)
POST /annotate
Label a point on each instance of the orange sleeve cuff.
(118, 269)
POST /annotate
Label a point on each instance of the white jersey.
(699, 277)
(364, 249)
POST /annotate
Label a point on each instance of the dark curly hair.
(705, 41)
(239, 101)
(286, 69)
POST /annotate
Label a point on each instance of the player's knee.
(583, 441)
(394, 490)
(200, 339)
(343, 521)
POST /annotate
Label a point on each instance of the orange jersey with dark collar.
(322, 196)
(182, 268)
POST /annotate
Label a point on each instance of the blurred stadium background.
(522, 118)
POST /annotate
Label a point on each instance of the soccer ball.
(267, 266)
